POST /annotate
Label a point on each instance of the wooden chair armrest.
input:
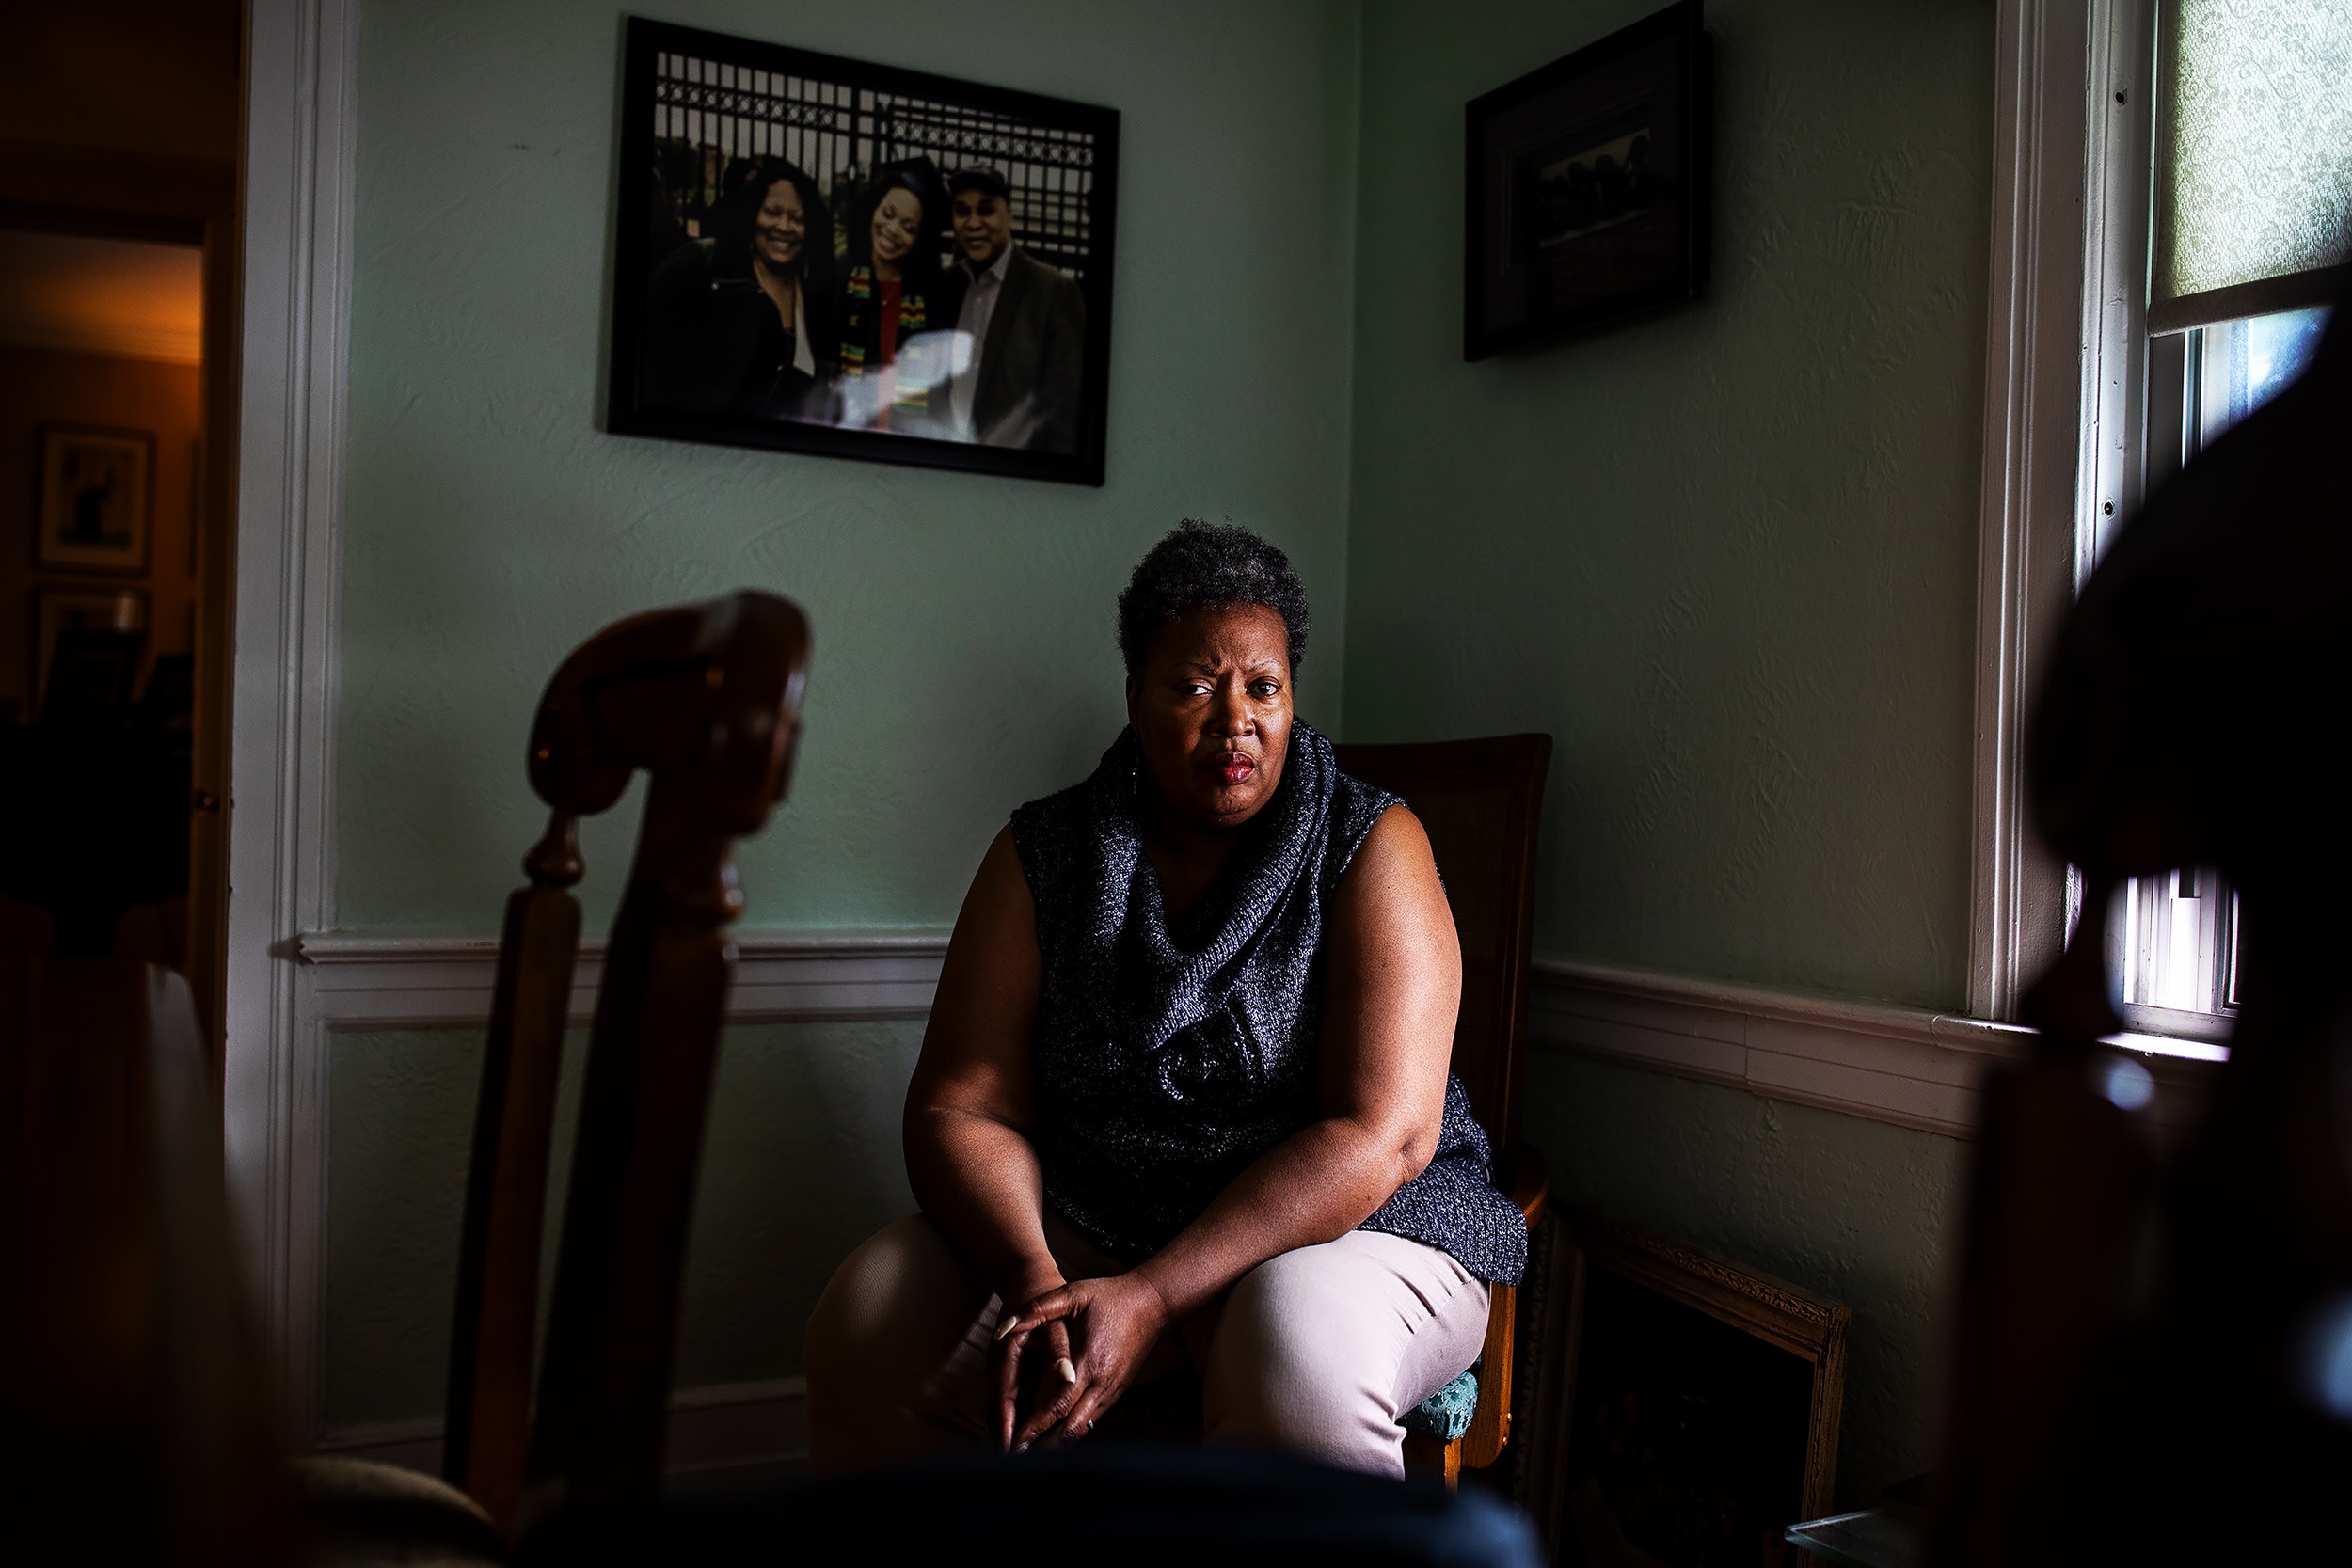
(1530, 1184)
(1521, 1174)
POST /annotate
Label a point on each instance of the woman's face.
(782, 227)
(896, 222)
(1212, 709)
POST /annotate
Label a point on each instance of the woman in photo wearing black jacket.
(895, 306)
(740, 322)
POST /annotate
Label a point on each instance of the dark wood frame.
(1786, 1316)
(645, 40)
(1482, 192)
(42, 499)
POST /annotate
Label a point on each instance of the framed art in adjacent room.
(1686, 1407)
(822, 255)
(98, 634)
(1587, 187)
(96, 511)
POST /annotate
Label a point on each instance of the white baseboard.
(723, 1436)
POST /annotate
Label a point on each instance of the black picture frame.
(1587, 188)
(728, 99)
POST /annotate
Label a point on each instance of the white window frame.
(2065, 369)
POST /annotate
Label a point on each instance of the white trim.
(296, 311)
(2034, 370)
(722, 1434)
(1906, 1066)
(2118, 185)
(361, 982)
(1912, 1066)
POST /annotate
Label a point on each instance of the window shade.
(2254, 161)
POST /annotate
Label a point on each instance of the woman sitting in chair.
(1184, 1092)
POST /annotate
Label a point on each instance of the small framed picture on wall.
(1587, 189)
(822, 255)
(97, 506)
(87, 646)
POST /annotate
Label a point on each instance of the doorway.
(120, 136)
(101, 464)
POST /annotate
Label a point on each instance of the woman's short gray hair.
(1204, 564)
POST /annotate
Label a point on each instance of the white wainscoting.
(1905, 1066)
(721, 1435)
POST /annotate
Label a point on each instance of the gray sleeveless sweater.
(1167, 1058)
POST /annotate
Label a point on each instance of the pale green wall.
(964, 656)
(801, 1164)
(1727, 557)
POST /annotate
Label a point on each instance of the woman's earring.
(1132, 788)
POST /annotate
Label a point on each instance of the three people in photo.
(919, 315)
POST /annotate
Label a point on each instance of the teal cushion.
(1446, 1414)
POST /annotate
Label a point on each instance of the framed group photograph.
(1587, 194)
(822, 255)
(1684, 1408)
(96, 509)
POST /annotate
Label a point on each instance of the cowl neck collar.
(1177, 974)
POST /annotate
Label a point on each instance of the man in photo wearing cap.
(1027, 323)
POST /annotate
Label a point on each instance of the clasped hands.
(1114, 1325)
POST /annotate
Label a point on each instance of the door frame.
(298, 178)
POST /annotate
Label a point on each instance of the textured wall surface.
(1853, 1210)
(1726, 555)
(964, 658)
(782, 1198)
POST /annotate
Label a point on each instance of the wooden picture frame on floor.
(1683, 1407)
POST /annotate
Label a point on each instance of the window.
(2251, 209)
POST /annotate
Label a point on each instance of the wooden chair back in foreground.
(705, 699)
(1480, 802)
(139, 1426)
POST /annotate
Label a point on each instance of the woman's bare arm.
(1392, 988)
(969, 1105)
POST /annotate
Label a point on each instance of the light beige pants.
(1319, 1351)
